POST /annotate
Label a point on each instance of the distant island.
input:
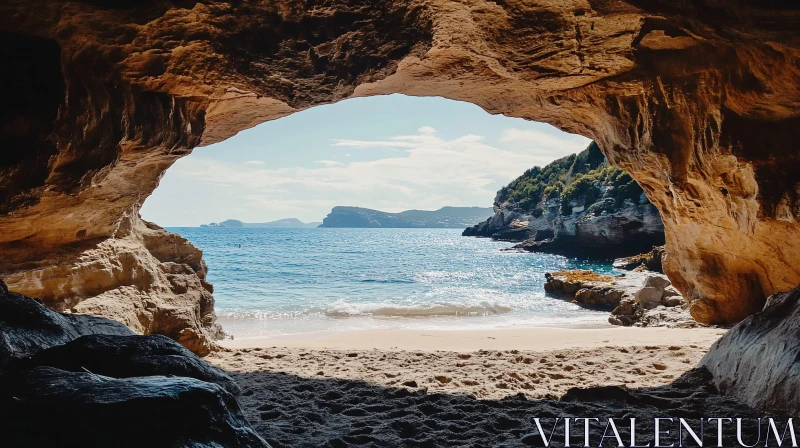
(445, 217)
(288, 223)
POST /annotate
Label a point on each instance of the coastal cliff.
(577, 205)
(444, 218)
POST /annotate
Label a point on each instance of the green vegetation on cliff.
(577, 176)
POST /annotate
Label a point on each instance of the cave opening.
(397, 180)
(697, 101)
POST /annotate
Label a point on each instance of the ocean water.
(281, 282)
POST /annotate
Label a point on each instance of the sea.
(285, 282)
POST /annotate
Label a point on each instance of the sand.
(328, 384)
(542, 338)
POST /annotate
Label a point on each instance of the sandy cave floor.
(297, 397)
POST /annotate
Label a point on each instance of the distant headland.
(445, 217)
(287, 223)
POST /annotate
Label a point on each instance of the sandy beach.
(329, 383)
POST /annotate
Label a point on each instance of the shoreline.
(533, 339)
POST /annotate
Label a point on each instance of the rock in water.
(128, 356)
(27, 326)
(634, 298)
(649, 261)
(47, 407)
(758, 360)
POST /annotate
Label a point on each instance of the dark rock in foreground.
(27, 326)
(758, 360)
(128, 356)
(82, 381)
(47, 407)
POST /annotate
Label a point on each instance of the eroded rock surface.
(149, 279)
(758, 360)
(650, 261)
(698, 100)
(638, 298)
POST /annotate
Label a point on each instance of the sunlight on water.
(294, 281)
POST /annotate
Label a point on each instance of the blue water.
(295, 281)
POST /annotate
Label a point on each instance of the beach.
(318, 389)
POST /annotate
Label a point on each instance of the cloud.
(428, 173)
(427, 130)
(329, 162)
(372, 144)
(254, 162)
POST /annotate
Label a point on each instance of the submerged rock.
(758, 360)
(48, 407)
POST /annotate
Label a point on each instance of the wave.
(389, 281)
(432, 310)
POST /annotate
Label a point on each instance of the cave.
(698, 100)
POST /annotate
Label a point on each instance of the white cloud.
(329, 162)
(427, 130)
(372, 144)
(254, 162)
(429, 172)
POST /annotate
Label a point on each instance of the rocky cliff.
(698, 100)
(445, 217)
(577, 205)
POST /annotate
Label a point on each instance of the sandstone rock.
(599, 296)
(27, 326)
(659, 282)
(149, 279)
(758, 360)
(128, 356)
(49, 407)
(673, 301)
(649, 296)
(629, 296)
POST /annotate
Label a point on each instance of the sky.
(389, 153)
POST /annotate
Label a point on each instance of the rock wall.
(758, 360)
(149, 279)
(698, 100)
